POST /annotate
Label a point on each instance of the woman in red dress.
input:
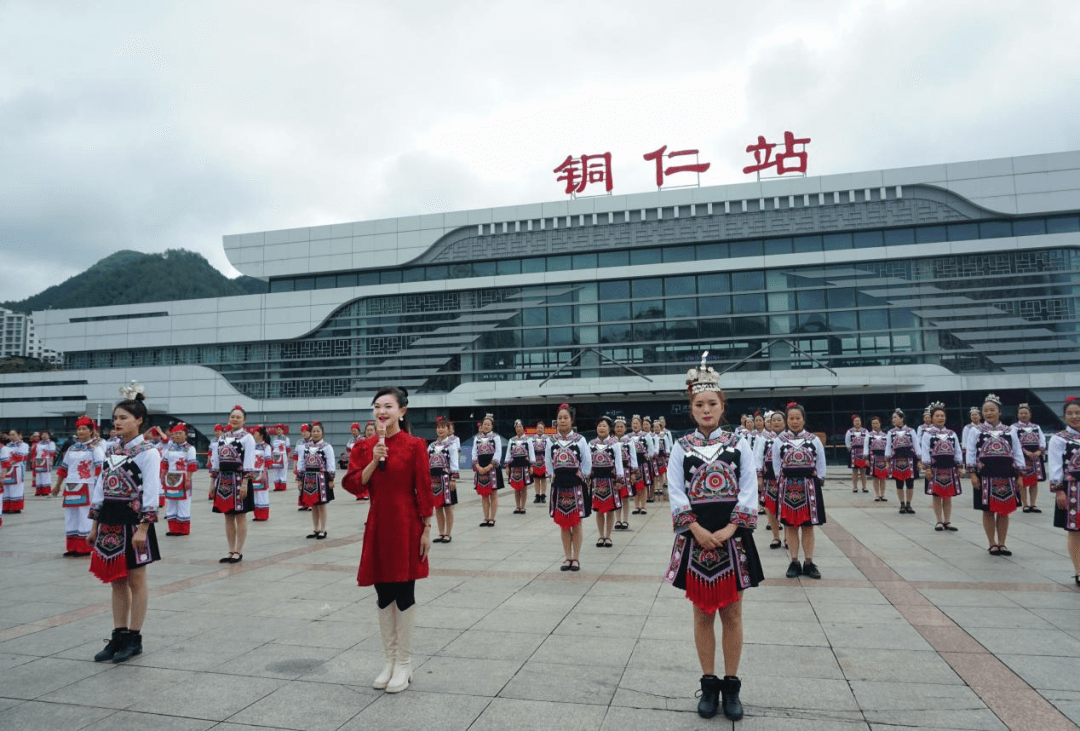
(394, 469)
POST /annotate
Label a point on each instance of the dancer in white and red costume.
(487, 477)
(444, 456)
(179, 463)
(354, 439)
(279, 459)
(1063, 463)
(1033, 442)
(994, 459)
(626, 482)
(79, 469)
(211, 449)
(13, 469)
(539, 469)
(799, 463)
(607, 474)
(260, 479)
(571, 464)
(519, 460)
(230, 475)
(42, 458)
(942, 458)
(316, 466)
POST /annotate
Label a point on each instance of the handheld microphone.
(382, 441)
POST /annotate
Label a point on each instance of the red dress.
(401, 498)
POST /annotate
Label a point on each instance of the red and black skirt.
(519, 473)
(114, 553)
(1068, 518)
(712, 578)
(879, 466)
(570, 502)
(605, 491)
(943, 479)
(226, 494)
(999, 490)
(443, 488)
(800, 500)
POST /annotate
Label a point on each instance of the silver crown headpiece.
(1023, 406)
(992, 398)
(975, 410)
(703, 378)
(934, 405)
(131, 390)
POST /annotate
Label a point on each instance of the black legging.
(910, 484)
(400, 591)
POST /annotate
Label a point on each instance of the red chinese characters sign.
(578, 173)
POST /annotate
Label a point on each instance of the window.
(644, 256)
(534, 316)
(747, 281)
(535, 265)
(811, 299)
(648, 309)
(802, 244)
(392, 276)
(1062, 224)
(841, 298)
(679, 253)
(436, 272)
(560, 315)
(899, 237)
(616, 290)
(644, 331)
(746, 303)
(1029, 226)
(561, 336)
(713, 251)
(716, 282)
(614, 333)
(684, 307)
(874, 319)
(325, 281)
(483, 269)
(614, 258)
(929, 234)
(753, 247)
(615, 311)
(963, 231)
(508, 266)
(840, 321)
(869, 239)
(303, 284)
(346, 280)
(584, 261)
(777, 246)
(995, 229)
(534, 338)
(718, 305)
(648, 288)
(366, 279)
(413, 274)
(282, 285)
(680, 285)
(558, 264)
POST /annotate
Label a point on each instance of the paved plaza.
(910, 628)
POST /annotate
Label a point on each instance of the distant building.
(19, 340)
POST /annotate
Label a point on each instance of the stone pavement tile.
(425, 641)
(672, 603)
(666, 690)
(471, 599)
(1068, 702)
(25, 612)
(254, 629)
(783, 661)
(1044, 599)
(856, 613)
(619, 589)
(6, 703)
(774, 611)
(194, 653)
(898, 666)
(558, 603)
(179, 623)
(575, 650)
(665, 627)
(878, 636)
(44, 675)
(523, 715)
(489, 645)
(674, 655)
(301, 609)
(1065, 619)
(307, 707)
(288, 662)
(578, 622)
(761, 694)
(415, 710)
(208, 696)
(770, 632)
(1022, 641)
(614, 604)
(842, 595)
(621, 718)
(458, 618)
(968, 598)
(35, 716)
(53, 640)
(341, 635)
(769, 720)
(123, 686)
(1045, 673)
(9, 660)
(352, 667)
(562, 585)
(925, 705)
(155, 721)
(469, 676)
(997, 617)
(586, 683)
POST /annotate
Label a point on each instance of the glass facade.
(993, 312)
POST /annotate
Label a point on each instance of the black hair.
(1068, 402)
(539, 422)
(607, 420)
(876, 418)
(937, 409)
(239, 408)
(401, 395)
(16, 430)
(263, 433)
(137, 408)
(900, 413)
(570, 410)
(796, 406)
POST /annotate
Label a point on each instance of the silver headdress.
(934, 405)
(489, 416)
(991, 398)
(131, 390)
(620, 420)
(1023, 406)
(975, 410)
(702, 378)
(517, 422)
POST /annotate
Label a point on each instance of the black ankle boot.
(132, 646)
(730, 687)
(112, 646)
(710, 696)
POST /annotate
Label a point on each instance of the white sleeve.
(455, 457)
(97, 489)
(498, 451)
(888, 445)
(1042, 438)
(1055, 460)
(759, 454)
(776, 449)
(249, 452)
(924, 448)
(331, 465)
(1018, 452)
(151, 476)
(821, 467)
(192, 456)
(213, 457)
(619, 472)
(530, 451)
(956, 445)
(748, 495)
(586, 456)
(971, 447)
(506, 457)
(633, 455)
(847, 439)
(301, 450)
(680, 503)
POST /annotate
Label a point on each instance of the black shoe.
(544, 500)
(112, 646)
(238, 559)
(910, 510)
(132, 647)
(536, 499)
(1034, 509)
(809, 569)
(793, 570)
(903, 510)
(730, 687)
(710, 696)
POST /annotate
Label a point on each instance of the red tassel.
(714, 595)
(484, 491)
(222, 504)
(108, 570)
(565, 521)
(770, 504)
(795, 517)
(308, 499)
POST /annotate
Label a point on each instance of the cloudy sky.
(156, 125)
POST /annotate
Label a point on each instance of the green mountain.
(130, 277)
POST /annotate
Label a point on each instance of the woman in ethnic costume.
(712, 478)
(519, 461)
(443, 457)
(571, 464)
(1033, 442)
(80, 469)
(607, 471)
(626, 482)
(539, 470)
(900, 451)
(305, 441)
(994, 459)
(230, 474)
(1063, 464)
(650, 440)
(643, 477)
(487, 477)
(260, 478)
(767, 485)
(799, 461)
(315, 463)
(942, 457)
(279, 472)
(855, 441)
(876, 464)
(395, 469)
(123, 508)
(354, 438)
(42, 463)
(13, 470)
(975, 419)
(178, 463)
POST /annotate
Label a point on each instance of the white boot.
(402, 661)
(388, 625)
